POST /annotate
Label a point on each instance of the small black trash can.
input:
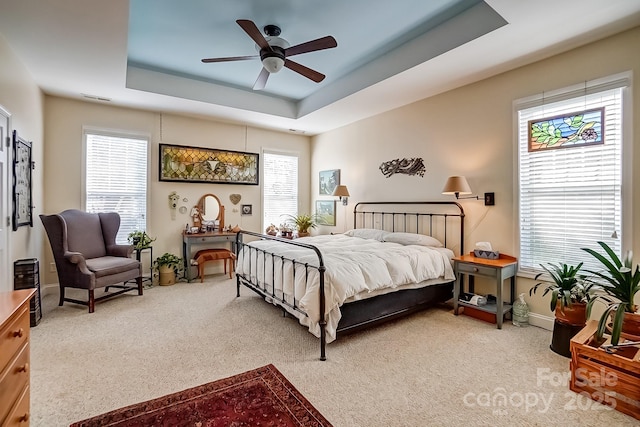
(26, 275)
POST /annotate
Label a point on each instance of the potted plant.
(569, 292)
(140, 239)
(620, 283)
(302, 222)
(168, 267)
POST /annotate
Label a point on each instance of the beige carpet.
(432, 368)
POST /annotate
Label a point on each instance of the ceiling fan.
(275, 52)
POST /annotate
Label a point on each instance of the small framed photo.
(246, 209)
(329, 180)
(326, 212)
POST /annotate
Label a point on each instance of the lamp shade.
(456, 185)
(341, 191)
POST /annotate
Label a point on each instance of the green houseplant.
(302, 222)
(569, 292)
(620, 283)
(140, 239)
(168, 267)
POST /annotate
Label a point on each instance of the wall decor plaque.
(413, 166)
(22, 166)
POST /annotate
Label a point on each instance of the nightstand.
(499, 269)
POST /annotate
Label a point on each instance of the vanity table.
(208, 238)
(208, 212)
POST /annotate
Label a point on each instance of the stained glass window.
(567, 130)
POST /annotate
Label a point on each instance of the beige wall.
(64, 121)
(22, 98)
(465, 131)
(470, 131)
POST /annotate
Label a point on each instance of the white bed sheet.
(356, 268)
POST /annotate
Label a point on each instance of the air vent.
(96, 98)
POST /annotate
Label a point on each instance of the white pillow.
(367, 233)
(412, 239)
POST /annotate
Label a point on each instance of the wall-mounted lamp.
(458, 185)
(342, 192)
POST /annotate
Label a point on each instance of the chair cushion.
(108, 265)
(84, 233)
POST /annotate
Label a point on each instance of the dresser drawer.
(13, 379)
(20, 415)
(213, 239)
(14, 335)
(476, 270)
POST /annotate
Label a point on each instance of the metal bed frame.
(370, 311)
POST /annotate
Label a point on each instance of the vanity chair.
(87, 256)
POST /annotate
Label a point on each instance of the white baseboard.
(544, 322)
(50, 288)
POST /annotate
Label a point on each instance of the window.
(280, 187)
(571, 197)
(116, 179)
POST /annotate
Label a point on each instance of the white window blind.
(571, 198)
(280, 187)
(116, 179)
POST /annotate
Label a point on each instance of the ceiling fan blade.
(322, 43)
(261, 81)
(230, 58)
(304, 71)
(250, 28)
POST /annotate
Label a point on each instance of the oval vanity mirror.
(211, 209)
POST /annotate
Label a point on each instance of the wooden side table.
(499, 269)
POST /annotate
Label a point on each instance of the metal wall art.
(22, 166)
(567, 130)
(194, 164)
(413, 166)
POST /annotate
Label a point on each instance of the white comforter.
(355, 269)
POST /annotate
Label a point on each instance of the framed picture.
(326, 212)
(22, 166)
(246, 209)
(329, 180)
(193, 164)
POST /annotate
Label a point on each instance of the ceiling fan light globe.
(273, 64)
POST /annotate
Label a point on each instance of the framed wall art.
(326, 212)
(180, 163)
(22, 166)
(247, 209)
(329, 180)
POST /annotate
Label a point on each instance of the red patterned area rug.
(261, 397)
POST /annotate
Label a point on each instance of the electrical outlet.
(52, 267)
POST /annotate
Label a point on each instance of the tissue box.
(486, 254)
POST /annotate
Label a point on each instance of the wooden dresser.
(14, 357)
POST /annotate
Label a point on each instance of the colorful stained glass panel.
(193, 164)
(568, 130)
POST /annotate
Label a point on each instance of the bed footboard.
(260, 276)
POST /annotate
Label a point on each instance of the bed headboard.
(440, 219)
